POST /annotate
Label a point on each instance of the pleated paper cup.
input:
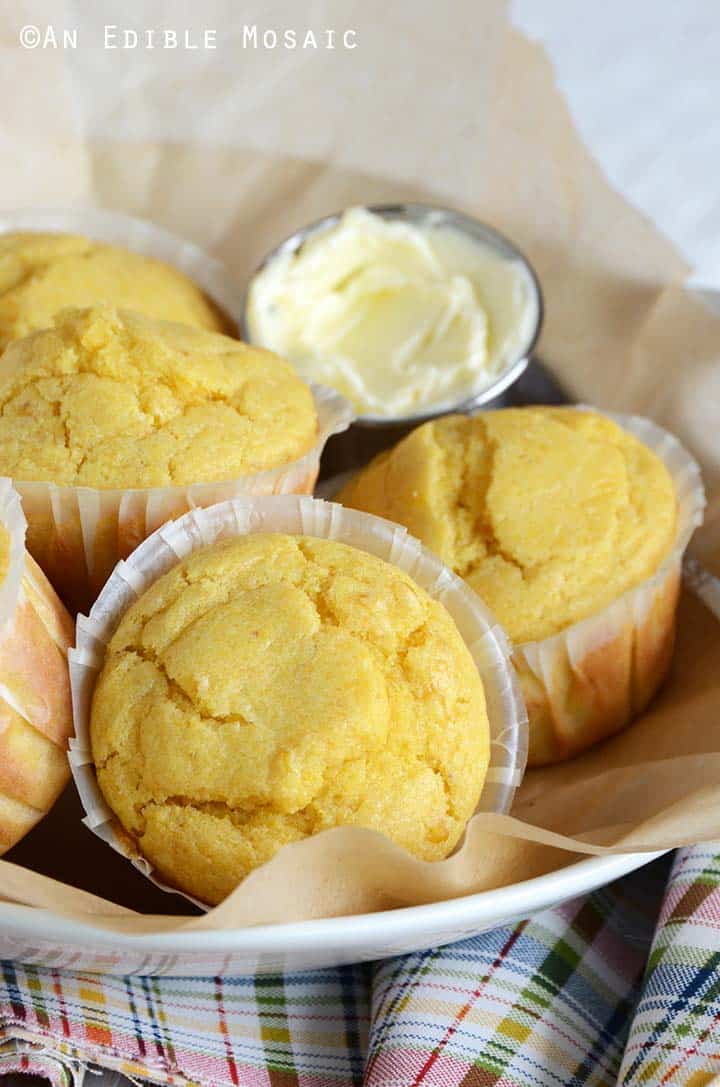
(293, 515)
(77, 534)
(590, 680)
(35, 712)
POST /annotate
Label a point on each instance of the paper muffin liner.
(77, 534)
(13, 521)
(297, 516)
(588, 681)
(35, 711)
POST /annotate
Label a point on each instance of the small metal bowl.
(358, 449)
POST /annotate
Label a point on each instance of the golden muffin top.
(550, 514)
(273, 686)
(107, 398)
(41, 274)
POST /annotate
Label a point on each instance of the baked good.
(41, 274)
(35, 712)
(110, 400)
(273, 686)
(551, 515)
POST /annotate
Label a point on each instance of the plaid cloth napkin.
(619, 987)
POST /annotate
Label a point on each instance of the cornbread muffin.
(41, 274)
(274, 686)
(551, 515)
(110, 399)
(35, 713)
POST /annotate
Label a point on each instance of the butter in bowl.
(408, 310)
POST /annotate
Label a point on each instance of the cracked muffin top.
(108, 398)
(274, 686)
(549, 514)
(41, 274)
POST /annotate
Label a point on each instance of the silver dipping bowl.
(371, 433)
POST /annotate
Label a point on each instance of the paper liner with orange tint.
(299, 516)
(77, 534)
(35, 714)
(590, 680)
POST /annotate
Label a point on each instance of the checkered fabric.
(675, 1033)
(597, 992)
(547, 1002)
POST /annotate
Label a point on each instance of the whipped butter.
(400, 317)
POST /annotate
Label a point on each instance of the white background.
(642, 78)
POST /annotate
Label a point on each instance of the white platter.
(37, 936)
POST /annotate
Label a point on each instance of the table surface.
(642, 82)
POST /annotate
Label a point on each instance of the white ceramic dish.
(36, 936)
